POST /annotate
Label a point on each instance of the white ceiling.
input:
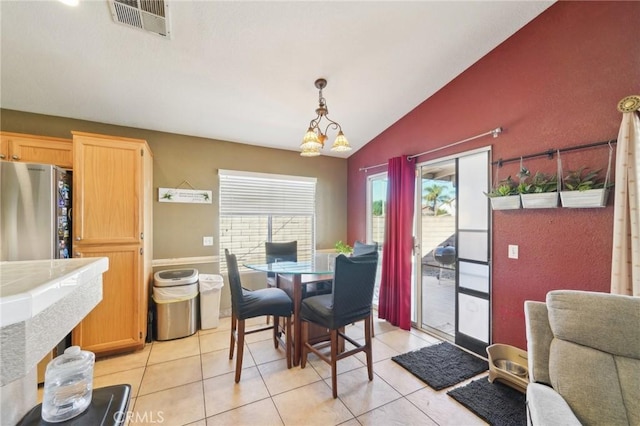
(245, 71)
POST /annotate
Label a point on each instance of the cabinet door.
(4, 148)
(108, 190)
(38, 149)
(114, 324)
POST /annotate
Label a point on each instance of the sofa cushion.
(608, 322)
(587, 379)
(594, 358)
(546, 407)
(539, 337)
(629, 374)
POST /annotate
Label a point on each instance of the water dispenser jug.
(68, 385)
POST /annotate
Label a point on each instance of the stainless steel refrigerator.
(35, 211)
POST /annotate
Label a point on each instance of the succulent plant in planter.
(540, 191)
(540, 182)
(583, 180)
(504, 196)
(584, 188)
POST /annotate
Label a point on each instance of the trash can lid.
(209, 282)
(173, 277)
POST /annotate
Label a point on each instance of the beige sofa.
(584, 359)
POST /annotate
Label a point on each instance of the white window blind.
(246, 193)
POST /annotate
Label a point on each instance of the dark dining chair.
(349, 302)
(360, 248)
(249, 304)
(279, 252)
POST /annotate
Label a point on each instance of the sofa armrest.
(539, 337)
(545, 407)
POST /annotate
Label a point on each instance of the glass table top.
(322, 263)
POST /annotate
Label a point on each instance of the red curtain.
(394, 303)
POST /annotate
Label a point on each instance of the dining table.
(293, 277)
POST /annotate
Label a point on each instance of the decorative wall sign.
(178, 195)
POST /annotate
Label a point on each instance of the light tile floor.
(190, 381)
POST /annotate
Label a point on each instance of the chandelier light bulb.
(311, 140)
(341, 144)
(310, 151)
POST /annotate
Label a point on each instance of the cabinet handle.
(78, 238)
(77, 254)
(2, 156)
(15, 157)
(141, 251)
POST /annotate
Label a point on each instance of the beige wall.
(179, 228)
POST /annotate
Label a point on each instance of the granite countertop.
(41, 301)
(29, 287)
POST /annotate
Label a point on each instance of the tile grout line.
(204, 399)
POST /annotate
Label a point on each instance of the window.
(259, 207)
(376, 209)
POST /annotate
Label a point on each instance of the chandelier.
(313, 140)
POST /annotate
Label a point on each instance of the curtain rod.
(550, 153)
(494, 132)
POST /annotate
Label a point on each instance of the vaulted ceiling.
(244, 71)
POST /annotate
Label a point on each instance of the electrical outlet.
(207, 241)
(513, 251)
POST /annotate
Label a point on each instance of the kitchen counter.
(41, 301)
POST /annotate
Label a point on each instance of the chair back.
(586, 345)
(285, 252)
(353, 286)
(360, 248)
(234, 280)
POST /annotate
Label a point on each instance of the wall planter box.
(542, 200)
(508, 202)
(584, 199)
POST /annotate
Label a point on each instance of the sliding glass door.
(452, 282)
(473, 290)
(436, 249)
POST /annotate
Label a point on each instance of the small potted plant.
(583, 188)
(504, 196)
(343, 248)
(540, 192)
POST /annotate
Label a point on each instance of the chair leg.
(276, 330)
(368, 331)
(334, 362)
(373, 331)
(288, 342)
(240, 350)
(304, 342)
(232, 344)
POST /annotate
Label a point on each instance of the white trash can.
(210, 289)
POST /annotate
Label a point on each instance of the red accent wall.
(554, 84)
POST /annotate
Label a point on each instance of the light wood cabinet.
(36, 149)
(107, 190)
(112, 205)
(115, 323)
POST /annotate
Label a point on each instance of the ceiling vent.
(148, 15)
